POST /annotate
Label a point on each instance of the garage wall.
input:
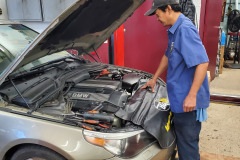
(197, 4)
(36, 14)
(145, 40)
(3, 6)
(27, 10)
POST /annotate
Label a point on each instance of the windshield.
(14, 38)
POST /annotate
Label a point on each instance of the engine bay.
(84, 95)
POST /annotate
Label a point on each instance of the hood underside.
(84, 26)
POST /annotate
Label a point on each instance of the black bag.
(188, 9)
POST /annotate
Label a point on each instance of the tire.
(35, 152)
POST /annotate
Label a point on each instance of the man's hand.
(151, 84)
(189, 103)
(161, 68)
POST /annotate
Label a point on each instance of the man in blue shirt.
(186, 62)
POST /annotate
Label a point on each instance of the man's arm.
(189, 103)
(161, 68)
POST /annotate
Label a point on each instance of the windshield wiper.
(36, 70)
(58, 63)
(52, 64)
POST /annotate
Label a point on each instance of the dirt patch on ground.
(209, 156)
(220, 133)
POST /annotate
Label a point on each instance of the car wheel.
(34, 152)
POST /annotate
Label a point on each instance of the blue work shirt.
(185, 51)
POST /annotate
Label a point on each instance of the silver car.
(56, 105)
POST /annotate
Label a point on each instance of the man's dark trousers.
(187, 130)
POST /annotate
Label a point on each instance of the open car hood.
(84, 26)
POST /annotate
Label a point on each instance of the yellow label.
(163, 100)
(167, 127)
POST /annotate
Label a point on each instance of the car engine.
(79, 95)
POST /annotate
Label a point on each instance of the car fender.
(65, 139)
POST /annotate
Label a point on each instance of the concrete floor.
(219, 138)
(227, 83)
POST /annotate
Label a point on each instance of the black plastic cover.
(37, 93)
(146, 110)
(78, 78)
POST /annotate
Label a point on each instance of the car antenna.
(18, 92)
(97, 54)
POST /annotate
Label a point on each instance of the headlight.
(125, 145)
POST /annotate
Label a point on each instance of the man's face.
(163, 17)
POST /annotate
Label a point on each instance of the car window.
(4, 60)
(14, 38)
